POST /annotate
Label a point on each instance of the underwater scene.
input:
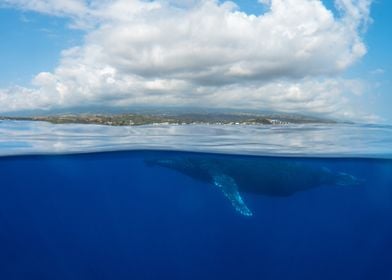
(195, 140)
(202, 202)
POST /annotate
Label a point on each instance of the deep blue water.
(112, 216)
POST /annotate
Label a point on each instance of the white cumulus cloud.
(201, 52)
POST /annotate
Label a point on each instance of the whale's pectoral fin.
(230, 189)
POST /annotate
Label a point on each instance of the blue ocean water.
(86, 202)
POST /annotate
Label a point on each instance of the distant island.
(134, 119)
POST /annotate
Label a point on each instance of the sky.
(325, 58)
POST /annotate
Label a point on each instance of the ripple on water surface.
(331, 140)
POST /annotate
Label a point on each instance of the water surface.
(341, 140)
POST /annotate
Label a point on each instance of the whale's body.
(259, 175)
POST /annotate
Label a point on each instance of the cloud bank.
(201, 53)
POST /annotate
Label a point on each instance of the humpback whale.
(260, 175)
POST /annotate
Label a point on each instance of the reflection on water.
(310, 140)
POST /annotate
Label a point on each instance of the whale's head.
(193, 167)
(345, 179)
